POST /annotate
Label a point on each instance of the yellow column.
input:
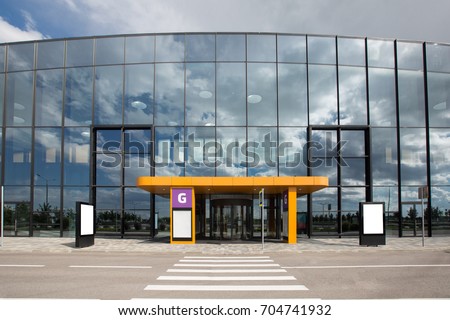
(292, 215)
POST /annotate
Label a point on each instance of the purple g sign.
(181, 198)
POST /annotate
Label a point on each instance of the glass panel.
(2, 90)
(231, 154)
(135, 198)
(50, 55)
(440, 214)
(409, 56)
(230, 47)
(380, 53)
(139, 94)
(76, 156)
(71, 196)
(438, 57)
(19, 99)
(353, 144)
(2, 58)
(411, 98)
(140, 49)
(18, 156)
(411, 210)
(440, 161)
(439, 99)
(109, 51)
(413, 156)
(384, 156)
(49, 95)
(231, 88)
(389, 195)
(108, 95)
(162, 215)
(382, 102)
(322, 50)
(322, 95)
(353, 172)
(108, 210)
(169, 94)
(136, 165)
(78, 97)
(351, 197)
(20, 57)
(292, 49)
(109, 141)
(200, 92)
(46, 212)
(47, 157)
(292, 95)
(262, 94)
(169, 48)
(200, 47)
(17, 211)
(352, 96)
(323, 154)
(169, 151)
(351, 52)
(324, 211)
(137, 141)
(261, 48)
(108, 172)
(261, 152)
(291, 159)
(201, 152)
(79, 52)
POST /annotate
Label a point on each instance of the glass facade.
(83, 118)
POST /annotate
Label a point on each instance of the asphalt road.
(325, 275)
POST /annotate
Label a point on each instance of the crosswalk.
(225, 273)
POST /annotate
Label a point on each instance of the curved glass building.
(84, 118)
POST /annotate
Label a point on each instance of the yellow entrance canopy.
(241, 185)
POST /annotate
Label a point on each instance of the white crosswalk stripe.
(212, 273)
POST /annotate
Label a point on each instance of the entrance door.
(231, 219)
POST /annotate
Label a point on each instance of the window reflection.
(201, 152)
(292, 95)
(19, 99)
(70, 196)
(50, 55)
(169, 94)
(439, 99)
(230, 47)
(438, 57)
(352, 96)
(47, 156)
(351, 52)
(139, 94)
(384, 156)
(261, 48)
(353, 173)
(440, 210)
(292, 142)
(20, 57)
(440, 161)
(200, 47)
(139, 49)
(291, 48)
(18, 156)
(230, 156)
(2, 58)
(109, 51)
(409, 56)
(78, 97)
(411, 98)
(322, 95)
(76, 156)
(380, 53)
(262, 152)
(324, 211)
(231, 99)
(200, 94)
(382, 102)
(2, 90)
(322, 50)
(262, 94)
(169, 151)
(79, 53)
(108, 95)
(48, 100)
(169, 48)
(413, 156)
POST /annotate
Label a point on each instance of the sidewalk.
(316, 244)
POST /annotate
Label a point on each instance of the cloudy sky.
(401, 19)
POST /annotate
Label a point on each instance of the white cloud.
(10, 33)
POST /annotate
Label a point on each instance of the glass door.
(231, 219)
